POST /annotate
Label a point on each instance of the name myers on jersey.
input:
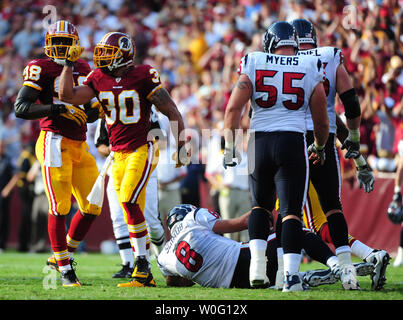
(174, 234)
(285, 60)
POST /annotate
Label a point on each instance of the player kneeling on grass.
(198, 253)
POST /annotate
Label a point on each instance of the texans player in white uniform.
(280, 87)
(327, 178)
(199, 253)
(151, 213)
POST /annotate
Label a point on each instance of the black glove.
(365, 178)
(353, 149)
(319, 152)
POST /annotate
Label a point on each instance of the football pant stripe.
(146, 173)
(48, 184)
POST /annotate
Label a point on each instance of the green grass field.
(25, 277)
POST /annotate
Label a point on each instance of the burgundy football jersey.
(44, 75)
(125, 103)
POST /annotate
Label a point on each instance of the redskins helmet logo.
(125, 44)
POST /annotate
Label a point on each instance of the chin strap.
(61, 62)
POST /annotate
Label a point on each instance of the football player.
(126, 93)
(151, 213)
(67, 166)
(327, 178)
(280, 87)
(199, 253)
(315, 220)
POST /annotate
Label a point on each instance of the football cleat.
(257, 274)
(363, 268)
(69, 278)
(315, 278)
(292, 282)
(348, 277)
(141, 275)
(125, 272)
(380, 260)
(52, 263)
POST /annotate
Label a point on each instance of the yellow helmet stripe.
(62, 26)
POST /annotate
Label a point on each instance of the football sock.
(343, 253)
(292, 236)
(360, 249)
(137, 229)
(125, 250)
(291, 241)
(57, 237)
(79, 226)
(316, 248)
(259, 224)
(332, 261)
(291, 262)
(338, 229)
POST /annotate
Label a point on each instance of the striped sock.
(137, 226)
(57, 236)
(79, 226)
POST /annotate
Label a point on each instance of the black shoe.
(69, 279)
(125, 272)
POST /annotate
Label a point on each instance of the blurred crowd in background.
(197, 45)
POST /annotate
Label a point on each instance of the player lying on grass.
(198, 253)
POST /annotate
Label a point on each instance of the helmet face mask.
(115, 50)
(59, 38)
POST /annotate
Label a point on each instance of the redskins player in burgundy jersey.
(126, 93)
(67, 166)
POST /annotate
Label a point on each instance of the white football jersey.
(282, 88)
(331, 58)
(195, 252)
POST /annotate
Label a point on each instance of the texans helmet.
(60, 36)
(115, 50)
(178, 213)
(395, 213)
(305, 31)
(280, 34)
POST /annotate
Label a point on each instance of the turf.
(25, 277)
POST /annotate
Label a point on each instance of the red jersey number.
(188, 257)
(272, 91)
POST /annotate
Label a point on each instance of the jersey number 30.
(271, 90)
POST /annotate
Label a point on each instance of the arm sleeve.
(26, 108)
